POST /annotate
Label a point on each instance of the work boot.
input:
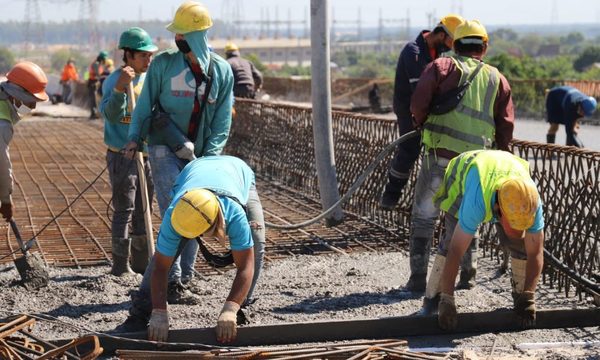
(550, 138)
(468, 266)
(178, 294)
(391, 194)
(419, 261)
(430, 305)
(467, 279)
(416, 283)
(120, 257)
(131, 324)
(139, 253)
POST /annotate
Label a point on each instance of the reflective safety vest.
(494, 167)
(8, 112)
(470, 126)
(96, 69)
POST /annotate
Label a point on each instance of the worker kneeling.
(213, 196)
(481, 186)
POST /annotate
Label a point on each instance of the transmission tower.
(33, 24)
(232, 14)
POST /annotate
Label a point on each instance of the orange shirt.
(69, 73)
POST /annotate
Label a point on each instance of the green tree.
(589, 56)
(7, 60)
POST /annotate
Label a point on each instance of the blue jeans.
(165, 168)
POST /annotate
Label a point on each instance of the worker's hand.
(186, 151)
(6, 209)
(227, 323)
(127, 75)
(525, 308)
(130, 149)
(447, 317)
(158, 328)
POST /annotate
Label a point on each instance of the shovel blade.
(32, 270)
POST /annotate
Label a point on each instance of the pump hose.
(357, 183)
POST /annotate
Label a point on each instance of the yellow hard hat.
(450, 22)
(471, 28)
(109, 62)
(190, 16)
(195, 212)
(231, 47)
(518, 200)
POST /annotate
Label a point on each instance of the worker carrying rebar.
(138, 49)
(247, 78)
(213, 196)
(491, 186)
(25, 86)
(415, 55)
(461, 104)
(183, 113)
(566, 105)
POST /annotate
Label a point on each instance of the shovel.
(30, 266)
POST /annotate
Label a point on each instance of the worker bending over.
(566, 105)
(491, 185)
(247, 78)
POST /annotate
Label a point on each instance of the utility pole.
(321, 101)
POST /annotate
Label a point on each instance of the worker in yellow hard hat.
(415, 55)
(461, 104)
(24, 87)
(213, 196)
(183, 112)
(491, 185)
(247, 78)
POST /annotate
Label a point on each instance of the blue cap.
(589, 106)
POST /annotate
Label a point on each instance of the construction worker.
(68, 77)
(212, 196)
(138, 49)
(25, 86)
(109, 67)
(415, 55)
(566, 105)
(491, 185)
(187, 96)
(247, 78)
(94, 72)
(482, 119)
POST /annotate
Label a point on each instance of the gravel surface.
(298, 289)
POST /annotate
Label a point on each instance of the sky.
(511, 12)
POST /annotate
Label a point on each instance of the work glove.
(447, 317)
(158, 328)
(130, 149)
(525, 308)
(186, 151)
(227, 323)
(6, 209)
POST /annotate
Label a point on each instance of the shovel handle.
(15, 229)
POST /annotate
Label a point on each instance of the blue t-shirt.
(472, 208)
(228, 177)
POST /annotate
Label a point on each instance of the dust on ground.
(300, 289)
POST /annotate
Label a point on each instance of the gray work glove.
(525, 308)
(447, 316)
(227, 323)
(158, 327)
(186, 151)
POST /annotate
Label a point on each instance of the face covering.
(183, 46)
(23, 109)
(442, 48)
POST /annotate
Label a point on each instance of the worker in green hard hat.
(95, 70)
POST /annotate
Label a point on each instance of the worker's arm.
(220, 123)
(6, 179)
(140, 119)
(113, 106)
(504, 114)
(257, 75)
(456, 249)
(534, 247)
(158, 327)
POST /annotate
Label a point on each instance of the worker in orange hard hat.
(25, 86)
(482, 186)
(428, 46)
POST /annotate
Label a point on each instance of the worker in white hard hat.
(183, 113)
(213, 196)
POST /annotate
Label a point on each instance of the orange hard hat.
(30, 77)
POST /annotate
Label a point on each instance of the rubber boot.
(518, 267)
(419, 260)
(391, 194)
(550, 138)
(468, 266)
(120, 255)
(139, 253)
(433, 289)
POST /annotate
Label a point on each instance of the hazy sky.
(510, 12)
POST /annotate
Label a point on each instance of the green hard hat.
(103, 55)
(136, 38)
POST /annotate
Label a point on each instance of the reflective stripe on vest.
(470, 126)
(494, 167)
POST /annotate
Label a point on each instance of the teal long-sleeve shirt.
(170, 82)
(115, 112)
